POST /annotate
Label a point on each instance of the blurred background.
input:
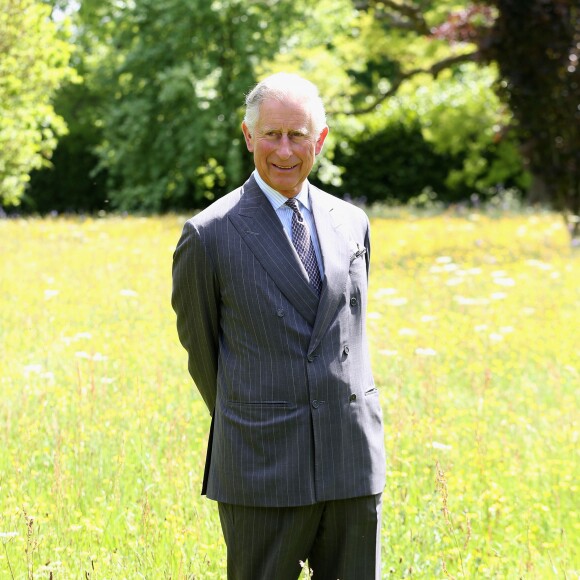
(114, 105)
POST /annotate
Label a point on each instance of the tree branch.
(434, 70)
(401, 15)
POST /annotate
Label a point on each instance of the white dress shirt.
(284, 213)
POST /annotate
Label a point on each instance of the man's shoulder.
(218, 210)
(246, 196)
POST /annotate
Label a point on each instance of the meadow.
(473, 324)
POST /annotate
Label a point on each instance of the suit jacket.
(285, 375)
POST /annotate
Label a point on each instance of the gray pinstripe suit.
(285, 375)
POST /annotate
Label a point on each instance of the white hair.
(286, 86)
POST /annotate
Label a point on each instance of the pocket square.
(356, 250)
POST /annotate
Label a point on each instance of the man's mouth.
(284, 167)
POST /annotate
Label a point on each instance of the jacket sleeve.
(195, 299)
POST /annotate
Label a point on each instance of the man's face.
(284, 145)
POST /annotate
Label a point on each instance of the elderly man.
(270, 291)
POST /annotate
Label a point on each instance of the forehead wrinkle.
(295, 119)
(284, 130)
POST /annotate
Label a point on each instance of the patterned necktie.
(303, 244)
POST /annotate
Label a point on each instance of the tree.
(73, 182)
(33, 64)
(177, 75)
(384, 76)
(536, 46)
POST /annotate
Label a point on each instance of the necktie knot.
(291, 203)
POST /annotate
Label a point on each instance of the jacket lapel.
(335, 255)
(260, 227)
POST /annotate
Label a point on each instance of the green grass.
(473, 325)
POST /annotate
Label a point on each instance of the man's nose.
(284, 147)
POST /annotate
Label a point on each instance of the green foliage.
(154, 125)
(171, 128)
(463, 118)
(394, 164)
(446, 135)
(72, 183)
(33, 63)
(458, 111)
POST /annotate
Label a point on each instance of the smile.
(284, 167)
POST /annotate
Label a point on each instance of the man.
(270, 299)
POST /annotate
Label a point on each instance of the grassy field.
(473, 325)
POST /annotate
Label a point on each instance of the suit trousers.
(340, 539)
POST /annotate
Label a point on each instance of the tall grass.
(473, 326)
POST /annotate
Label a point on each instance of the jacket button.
(352, 398)
(346, 350)
(310, 358)
(353, 301)
(315, 404)
(280, 312)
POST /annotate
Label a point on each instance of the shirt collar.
(276, 198)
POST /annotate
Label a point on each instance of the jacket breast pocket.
(358, 270)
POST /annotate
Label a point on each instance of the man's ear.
(320, 141)
(248, 137)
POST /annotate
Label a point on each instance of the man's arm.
(195, 299)
(368, 246)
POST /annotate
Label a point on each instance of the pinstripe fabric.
(340, 539)
(286, 375)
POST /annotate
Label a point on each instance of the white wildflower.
(441, 446)
(385, 292)
(34, 368)
(505, 281)
(397, 301)
(80, 335)
(454, 281)
(498, 296)
(5, 537)
(407, 332)
(425, 352)
(465, 301)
